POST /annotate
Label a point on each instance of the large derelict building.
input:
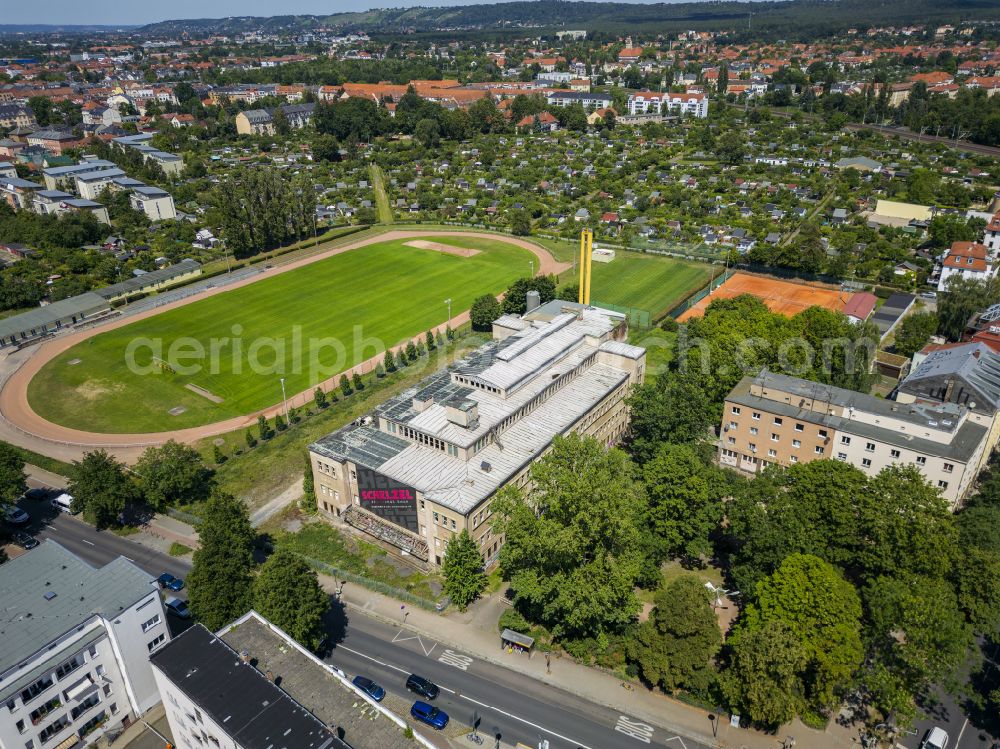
(426, 463)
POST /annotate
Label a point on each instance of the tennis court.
(785, 297)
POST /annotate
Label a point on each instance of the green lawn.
(387, 291)
(382, 204)
(653, 283)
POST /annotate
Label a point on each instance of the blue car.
(369, 687)
(166, 580)
(429, 714)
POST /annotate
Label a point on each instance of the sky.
(112, 12)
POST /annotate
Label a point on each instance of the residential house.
(967, 260)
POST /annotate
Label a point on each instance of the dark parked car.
(178, 607)
(421, 686)
(16, 516)
(429, 714)
(25, 541)
(166, 580)
(369, 687)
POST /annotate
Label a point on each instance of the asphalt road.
(513, 706)
(502, 702)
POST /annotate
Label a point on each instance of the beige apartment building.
(775, 419)
(426, 464)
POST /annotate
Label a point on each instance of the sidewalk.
(474, 632)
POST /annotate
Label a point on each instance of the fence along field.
(392, 290)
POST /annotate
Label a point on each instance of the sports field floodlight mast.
(448, 302)
(284, 399)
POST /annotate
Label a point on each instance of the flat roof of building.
(253, 710)
(82, 304)
(49, 591)
(313, 684)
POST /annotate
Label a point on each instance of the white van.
(63, 503)
(935, 739)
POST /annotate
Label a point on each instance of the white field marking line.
(958, 741)
(581, 745)
(383, 663)
(397, 638)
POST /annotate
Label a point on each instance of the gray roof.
(527, 388)
(948, 417)
(150, 192)
(83, 166)
(99, 174)
(968, 374)
(30, 619)
(148, 279)
(82, 304)
(253, 710)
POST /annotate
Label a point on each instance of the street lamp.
(532, 264)
(284, 399)
(714, 720)
(448, 302)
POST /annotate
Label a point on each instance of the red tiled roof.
(860, 305)
(966, 256)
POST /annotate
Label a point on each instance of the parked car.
(36, 493)
(936, 738)
(929, 294)
(16, 516)
(25, 541)
(429, 714)
(178, 607)
(422, 686)
(369, 687)
(63, 503)
(166, 580)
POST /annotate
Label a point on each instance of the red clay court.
(785, 297)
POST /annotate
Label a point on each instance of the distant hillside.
(793, 18)
(46, 28)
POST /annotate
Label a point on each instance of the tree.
(12, 477)
(388, 362)
(515, 301)
(280, 122)
(411, 352)
(962, 298)
(357, 382)
(685, 501)
(520, 223)
(428, 132)
(723, 84)
(914, 333)
(429, 338)
(730, 147)
(345, 385)
(263, 430)
(464, 578)
(325, 148)
(484, 311)
(288, 594)
(917, 632)
(101, 488)
(221, 577)
(308, 487)
(319, 398)
(673, 408)
(172, 474)
(674, 648)
(574, 550)
(764, 677)
(217, 455)
(251, 440)
(822, 611)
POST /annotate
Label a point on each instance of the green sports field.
(390, 290)
(653, 283)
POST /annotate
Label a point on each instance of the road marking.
(383, 663)
(88, 542)
(579, 744)
(397, 638)
(677, 738)
(451, 658)
(958, 741)
(635, 729)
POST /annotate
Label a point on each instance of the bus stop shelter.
(515, 642)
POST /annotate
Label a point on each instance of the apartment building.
(76, 647)
(586, 99)
(776, 419)
(251, 686)
(966, 260)
(426, 464)
(157, 204)
(991, 237)
(694, 104)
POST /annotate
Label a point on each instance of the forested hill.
(792, 19)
